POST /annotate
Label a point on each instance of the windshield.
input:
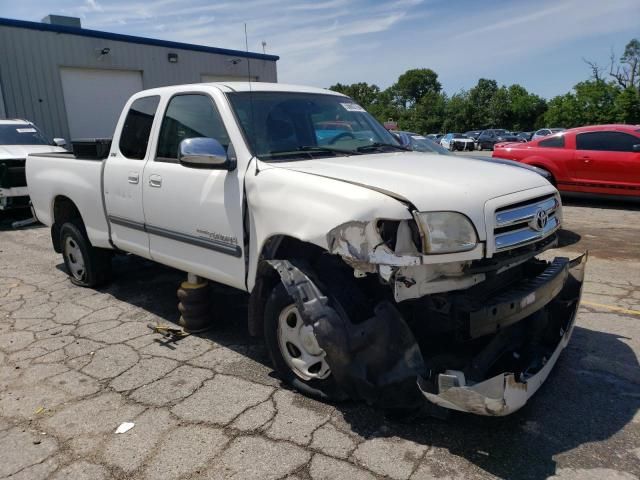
(21, 134)
(290, 125)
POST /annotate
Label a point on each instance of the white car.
(18, 138)
(457, 141)
(544, 132)
(374, 272)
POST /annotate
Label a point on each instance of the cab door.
(194, 215)
(122, 178)
(607, 159)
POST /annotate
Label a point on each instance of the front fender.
(307, 207)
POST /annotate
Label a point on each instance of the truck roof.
(245, 87)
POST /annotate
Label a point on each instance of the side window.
(606, 141)
(189, 116)
(557, 141)
(137, 127)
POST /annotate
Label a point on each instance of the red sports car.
(600, 159)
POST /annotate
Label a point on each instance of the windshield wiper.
(379, 146)
(315, 148)
(309, 150)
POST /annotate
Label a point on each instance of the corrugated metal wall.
(30, 62)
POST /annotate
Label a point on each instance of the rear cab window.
(134, 138)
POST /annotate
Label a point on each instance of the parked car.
(600, 159)
(457, 141)
(473, 134)
(544, 132)
(419, 143)
(17, 139)
(525, 136)
(488, 138)
(374, 273)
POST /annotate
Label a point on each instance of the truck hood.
(21, 151)
(430, 182)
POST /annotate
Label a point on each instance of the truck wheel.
(294, 350)
(87, 266)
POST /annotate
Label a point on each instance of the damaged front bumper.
(516, 336)
(552, 299)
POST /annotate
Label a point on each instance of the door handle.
(133, 177)
(155, 181)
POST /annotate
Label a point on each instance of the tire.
(86, 265)
(280, 303)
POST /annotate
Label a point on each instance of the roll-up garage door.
(94, 98)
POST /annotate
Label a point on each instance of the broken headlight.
(446, 232)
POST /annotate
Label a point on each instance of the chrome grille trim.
(504, 218)
(524, 236)
(519, 223)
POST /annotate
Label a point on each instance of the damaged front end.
(484, 350)
(513, 340)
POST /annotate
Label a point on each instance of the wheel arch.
(275, 247)
(64, 209)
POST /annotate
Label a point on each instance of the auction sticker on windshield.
(352, 107)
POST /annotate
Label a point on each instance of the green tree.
(414, 84)
(525, 108)
(426, 115)
(627, 106)
(361, 92)
(627, 73)
(458, 113)
(480, 98)
(592, 102)
(563, 111)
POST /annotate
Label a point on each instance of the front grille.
(526, 222)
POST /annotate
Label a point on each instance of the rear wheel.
(87, 266)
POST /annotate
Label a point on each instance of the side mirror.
(202, 152)
(59, 142)
(636, 147)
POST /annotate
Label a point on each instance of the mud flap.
(376, 361)
(507, 392)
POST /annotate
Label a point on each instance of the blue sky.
(539, 44)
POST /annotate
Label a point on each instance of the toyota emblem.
(540, 220)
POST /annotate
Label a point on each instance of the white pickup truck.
(374, 272)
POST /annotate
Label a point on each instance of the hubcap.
(299, 346)
(74, 258)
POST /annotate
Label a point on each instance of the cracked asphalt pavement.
(75, 363)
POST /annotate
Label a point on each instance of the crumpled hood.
(430, 182)
(21, 151)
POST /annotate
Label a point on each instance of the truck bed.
(54, 176)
